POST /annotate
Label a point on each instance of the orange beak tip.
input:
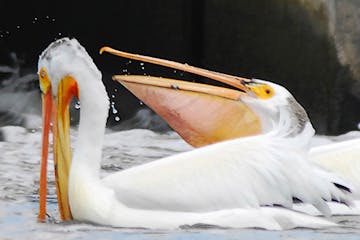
(102, 50)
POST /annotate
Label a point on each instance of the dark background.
(276, 40)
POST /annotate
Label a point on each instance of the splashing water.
(19, 94)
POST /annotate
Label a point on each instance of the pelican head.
(64, 58)
(64, 68)
(277, 109)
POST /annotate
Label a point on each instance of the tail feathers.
(323, 208)
(327, 187)
(340, 192)
(345, 191)
(342, 186)
(345, 196)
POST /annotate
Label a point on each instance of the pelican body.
(245, 182)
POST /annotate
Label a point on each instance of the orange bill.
(56, 108)
(202, 114)
(237, 82)
(67, 88)
(46, 111)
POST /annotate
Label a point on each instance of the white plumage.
(343, 158)
(237, 183)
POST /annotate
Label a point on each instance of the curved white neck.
(93, 114)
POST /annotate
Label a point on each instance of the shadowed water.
(19, 174)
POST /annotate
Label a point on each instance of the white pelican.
(246, 182)
(218, 119)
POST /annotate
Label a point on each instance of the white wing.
(342, 158)
(231, 174)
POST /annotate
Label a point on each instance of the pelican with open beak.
(220, 114)
(246, 182)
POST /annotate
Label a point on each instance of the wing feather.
(231, 174)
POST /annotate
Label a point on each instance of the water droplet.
(35, 18)
(33, 21)
(1, 35)
(18, 26)
(117, 118)
(47, 17)
(77, 105)
(7, 32)
(59, 34)
(112, 95)
(124, 70)
(32, 130)
(53, 19)
(114, 110)
(142, 64)
(142, 68)
(115, 90)
(141, 103)
(174, 71)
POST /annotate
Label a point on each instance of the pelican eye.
(42, 74)
(262, 91)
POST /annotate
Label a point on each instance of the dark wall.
(285, 43)
(277, 40)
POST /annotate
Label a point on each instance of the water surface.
(19, 175)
